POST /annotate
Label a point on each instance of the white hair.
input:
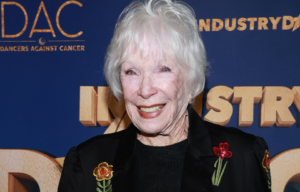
(173, 27)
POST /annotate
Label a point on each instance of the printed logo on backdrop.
(35, 42)
(286, 22)
(98, 105)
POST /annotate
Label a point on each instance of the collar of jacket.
(195, 170)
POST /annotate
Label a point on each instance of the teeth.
(150, 110)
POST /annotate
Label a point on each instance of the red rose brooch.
(103, 172)
(266, 165)
(266, 161)
(222, 152)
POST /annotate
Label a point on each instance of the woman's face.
(155, 94)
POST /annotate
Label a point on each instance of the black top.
(159, 169)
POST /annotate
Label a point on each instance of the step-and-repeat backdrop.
(54, 94)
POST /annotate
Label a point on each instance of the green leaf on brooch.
(222, 172)
(216, 163)
(213, 178)
(104, 186)
(99, 184)
(218, 173)
(108, 183)
(219, 170)
(108, 188)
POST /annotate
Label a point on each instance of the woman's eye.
(129, 72)
(165, 69)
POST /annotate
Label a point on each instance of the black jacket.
(244, 172)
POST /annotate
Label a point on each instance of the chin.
(151, 130)
(150, 126)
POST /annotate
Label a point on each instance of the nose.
(147, 88)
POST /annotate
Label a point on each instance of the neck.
(173, 134)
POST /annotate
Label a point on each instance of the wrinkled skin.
(147, 82)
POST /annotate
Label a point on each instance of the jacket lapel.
(199, 157)
(124, 163)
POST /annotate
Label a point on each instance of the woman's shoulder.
(246, 153)
(99, 140)
(81, 160)
(233, 136)
(101, 144)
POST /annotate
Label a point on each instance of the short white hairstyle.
(173, 27)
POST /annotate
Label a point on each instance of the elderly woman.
(156, 61)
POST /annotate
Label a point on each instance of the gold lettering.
(42, 48)
(286, 26)
(11, 48)
(103, 116)
(297, 23)
(108, 103)
(284, 169)
(2, 19)
(117, 108)
(262, 23)
(88, 104)
(214, 24)
(27, 163)
(275, 107)
(242, 24)
(274, 22)
(33, 30)
(296, 91)
(57, 19)
(204, 25)
(252, 20)
(246, 97)
(233, 24)
(220, 110)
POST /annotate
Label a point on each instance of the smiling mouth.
(151, 109)
(149, 112)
